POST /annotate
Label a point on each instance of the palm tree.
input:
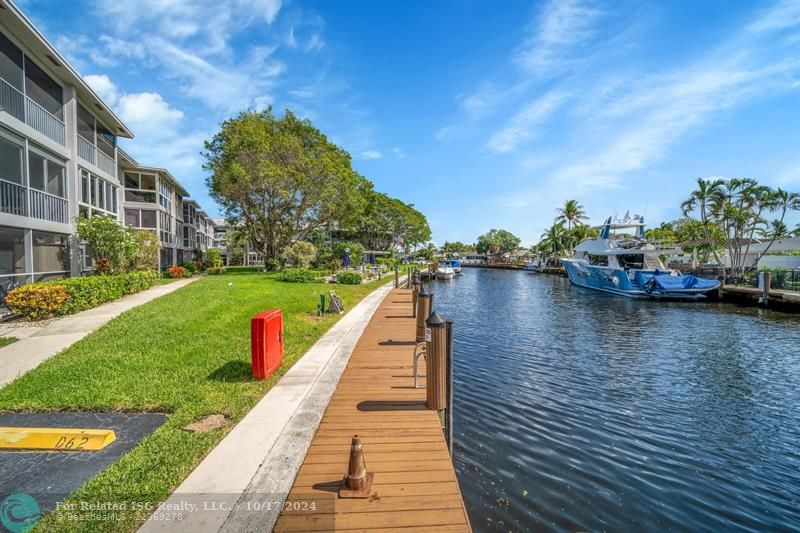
(796, 232)
(702, 200)
(776, 230)
(555, 239)
(572, 212)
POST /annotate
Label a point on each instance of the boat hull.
(617, 282)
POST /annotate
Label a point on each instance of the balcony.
(22, 201)
(26, 110)
(89, 152)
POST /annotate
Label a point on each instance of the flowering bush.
(37, 300)
(177, 271)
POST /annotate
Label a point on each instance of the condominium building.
(59, 160)
(153, 200)
(58, 154)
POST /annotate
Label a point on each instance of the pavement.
(242, 483)
(40, 341)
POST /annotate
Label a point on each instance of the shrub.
(301, 254)
(213, 271)
(91, 291)
(191, 267)
(297, 275)
(214, 258)
(37, 300)
(112, 245)
(146, 255)
(177, 271)
(243, 268)
(81, 293)
(347, 277)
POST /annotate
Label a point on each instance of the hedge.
(297, 275)
(346, 277)
(82, 293)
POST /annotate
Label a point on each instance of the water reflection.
(581, 411)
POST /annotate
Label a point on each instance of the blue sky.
(482, 114)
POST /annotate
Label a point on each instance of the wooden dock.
(415, 485)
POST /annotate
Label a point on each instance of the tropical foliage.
(572, 213)
(496, 242)
(113, 246)
(738, 206)
(301, 254)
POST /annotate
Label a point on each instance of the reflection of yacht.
(629, 266)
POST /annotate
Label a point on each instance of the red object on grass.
(266, 342)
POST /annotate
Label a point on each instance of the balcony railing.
(89, 152)
(18, 105)
(49, 207)
(13, 198)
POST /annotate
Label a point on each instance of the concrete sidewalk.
(37, 344)
(263, 452)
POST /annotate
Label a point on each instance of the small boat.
(445, 272)
(455, 264)
(533, 266)
(630, 266)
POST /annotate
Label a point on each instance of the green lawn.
(5, 341)
(186, 353)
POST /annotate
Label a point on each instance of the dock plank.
(415, 485)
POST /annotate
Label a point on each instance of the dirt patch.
(209, 423)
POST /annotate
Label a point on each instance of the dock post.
(396, 278)
(414, 292)
(449, 324)
(424, 305)
(436, 363)
(765, 284)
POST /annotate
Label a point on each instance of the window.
(131, 180)
(12, 250)
(132, 218)
(85, 124)
(140, 196)
(635, 261)
(11, 160)
(85, 195)
(98, 193)
(147, 182)
(598, 260)
(43, 90)
(36, 171)
(10, 63)
(148, 219)
(106, 141)
(56, 179)
(50, 252)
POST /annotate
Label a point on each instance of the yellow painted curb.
(57, 439)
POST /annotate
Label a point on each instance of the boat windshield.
(598, 260)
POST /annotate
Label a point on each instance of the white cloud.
(399, 153)
(315, 43)
(148, 115)
(562, 29)
(522, 126)
(104, 87)
(370, 154)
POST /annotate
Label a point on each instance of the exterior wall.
(38, 207)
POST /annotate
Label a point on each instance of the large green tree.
(386, 223)
(496, 242)
(279, 179)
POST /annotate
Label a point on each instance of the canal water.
(579, 411)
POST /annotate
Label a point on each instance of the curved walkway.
(38, 344)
